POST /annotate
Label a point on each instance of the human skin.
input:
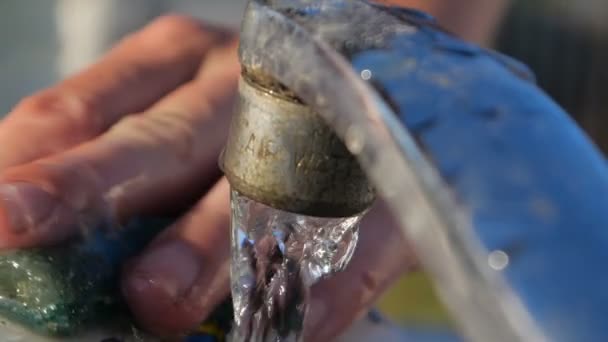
(140, 132)
(472, 20)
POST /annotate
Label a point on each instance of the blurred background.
(564, 42)
(42, 41)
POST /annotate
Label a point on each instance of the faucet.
(502, 196)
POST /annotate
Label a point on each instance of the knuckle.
(23, 173)
(79, 184)
(366, 286)
(76, 114)
(370, 284)
(162, 129)
(69, 183)
(172, 26)
(76, 184)
(177, 27)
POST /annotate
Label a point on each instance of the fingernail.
(25, 205)
(157, 287)
(172, 268)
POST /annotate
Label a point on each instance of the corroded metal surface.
(282, 154)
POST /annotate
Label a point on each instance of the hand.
(139, 132)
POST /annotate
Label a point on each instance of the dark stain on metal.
(284, 155)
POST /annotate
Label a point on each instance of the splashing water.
(276, 257)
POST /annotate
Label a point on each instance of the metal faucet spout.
(284, 155)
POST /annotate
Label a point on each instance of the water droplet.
(354, 139)
(498, 260)
(366, 74)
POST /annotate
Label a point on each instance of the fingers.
(473, 20)
(147, 163)
(381, 257)
(184, 273)
(138, 71)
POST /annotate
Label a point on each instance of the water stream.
(276, 257)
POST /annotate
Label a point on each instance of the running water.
(276, 257)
